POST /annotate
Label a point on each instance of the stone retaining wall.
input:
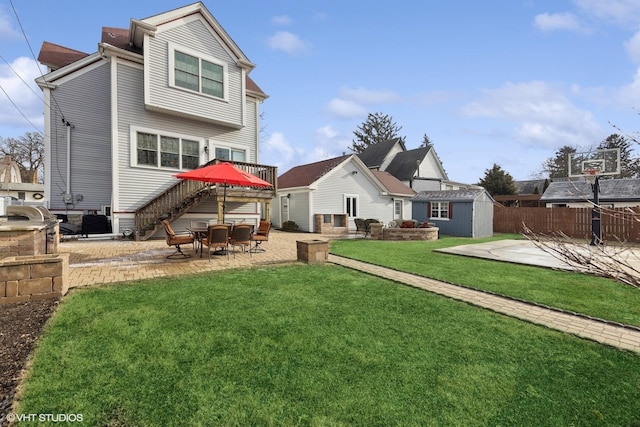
(380, 232)
(23, 278)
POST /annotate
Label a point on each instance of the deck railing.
(184, 194)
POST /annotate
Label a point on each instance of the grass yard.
(319, 346)
(580, 293)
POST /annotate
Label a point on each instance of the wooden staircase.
(178, 199)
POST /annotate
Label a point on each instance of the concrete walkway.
(113, 261)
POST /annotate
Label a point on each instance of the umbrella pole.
(224, 202)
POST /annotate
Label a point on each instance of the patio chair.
(217, 237)
(176, 240)
(197, 225)
(241, 236)
(361, 226)
(367, 223)
(261, 235)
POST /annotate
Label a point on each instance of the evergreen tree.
(629, 165)
(498, 182)
(426, 141)
(377, 128)
(558, 166)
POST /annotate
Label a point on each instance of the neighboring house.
(578, 193)
(529, 193)
(462, 213)
(166, 95)
(340, 187)
(11, 184)
(419, 168)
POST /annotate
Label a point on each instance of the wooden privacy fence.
(616, 224)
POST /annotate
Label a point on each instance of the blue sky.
(497, 81)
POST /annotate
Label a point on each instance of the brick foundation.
(24, 278)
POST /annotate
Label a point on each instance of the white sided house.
(167, 94)
(335, 191)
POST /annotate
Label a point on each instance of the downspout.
(68, 199)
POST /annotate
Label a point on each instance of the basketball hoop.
(591, 174)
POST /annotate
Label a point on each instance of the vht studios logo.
(52, 418)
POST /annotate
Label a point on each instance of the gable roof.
(392, 184)
(305, 175)
(529, 187)
(55, 56)
(405, 164)
(467, 195)
(623, 189)
(374, 154)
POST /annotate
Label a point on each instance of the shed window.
(440, 210)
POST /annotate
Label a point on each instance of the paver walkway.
(99, 262)
(620, 336)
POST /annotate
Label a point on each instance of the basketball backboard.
(596, 162)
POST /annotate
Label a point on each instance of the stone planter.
(313, 251)
(23, 278)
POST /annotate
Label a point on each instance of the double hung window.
(164, 151)
(197, 73)
(236, 155)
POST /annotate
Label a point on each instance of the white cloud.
(277, 150)
(8, 30)
(542, 114)
(281, 20)
(353, 102)
(345, 109)
(556, 21)
(367, 96)
(629, 95)
(633, 47)
(622, 12)
(287, 42)
(17, 82)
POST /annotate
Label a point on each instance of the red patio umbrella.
(226, 174)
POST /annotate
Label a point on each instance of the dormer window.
(195, 72)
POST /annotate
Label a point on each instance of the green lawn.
(580, 293)
(315, 346)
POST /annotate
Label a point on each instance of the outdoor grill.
(27, 219)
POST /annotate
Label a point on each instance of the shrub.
(289, 226)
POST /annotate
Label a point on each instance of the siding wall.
(84, 101)
(137, 185)
(194, 35)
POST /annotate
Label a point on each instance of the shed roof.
(623, 189)
(467, 195)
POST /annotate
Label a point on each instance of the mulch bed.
(20, 327)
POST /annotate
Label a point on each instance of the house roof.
(468, 195)
(529, 187)
(623, 189)
(392, 184)
(55, 56)
(374, 154)
(305, 175)
(405, 164)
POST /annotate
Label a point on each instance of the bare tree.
(28, 152)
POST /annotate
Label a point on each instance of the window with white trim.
(234, 154)
(439, 210)
(193, 71)
(165, 151)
